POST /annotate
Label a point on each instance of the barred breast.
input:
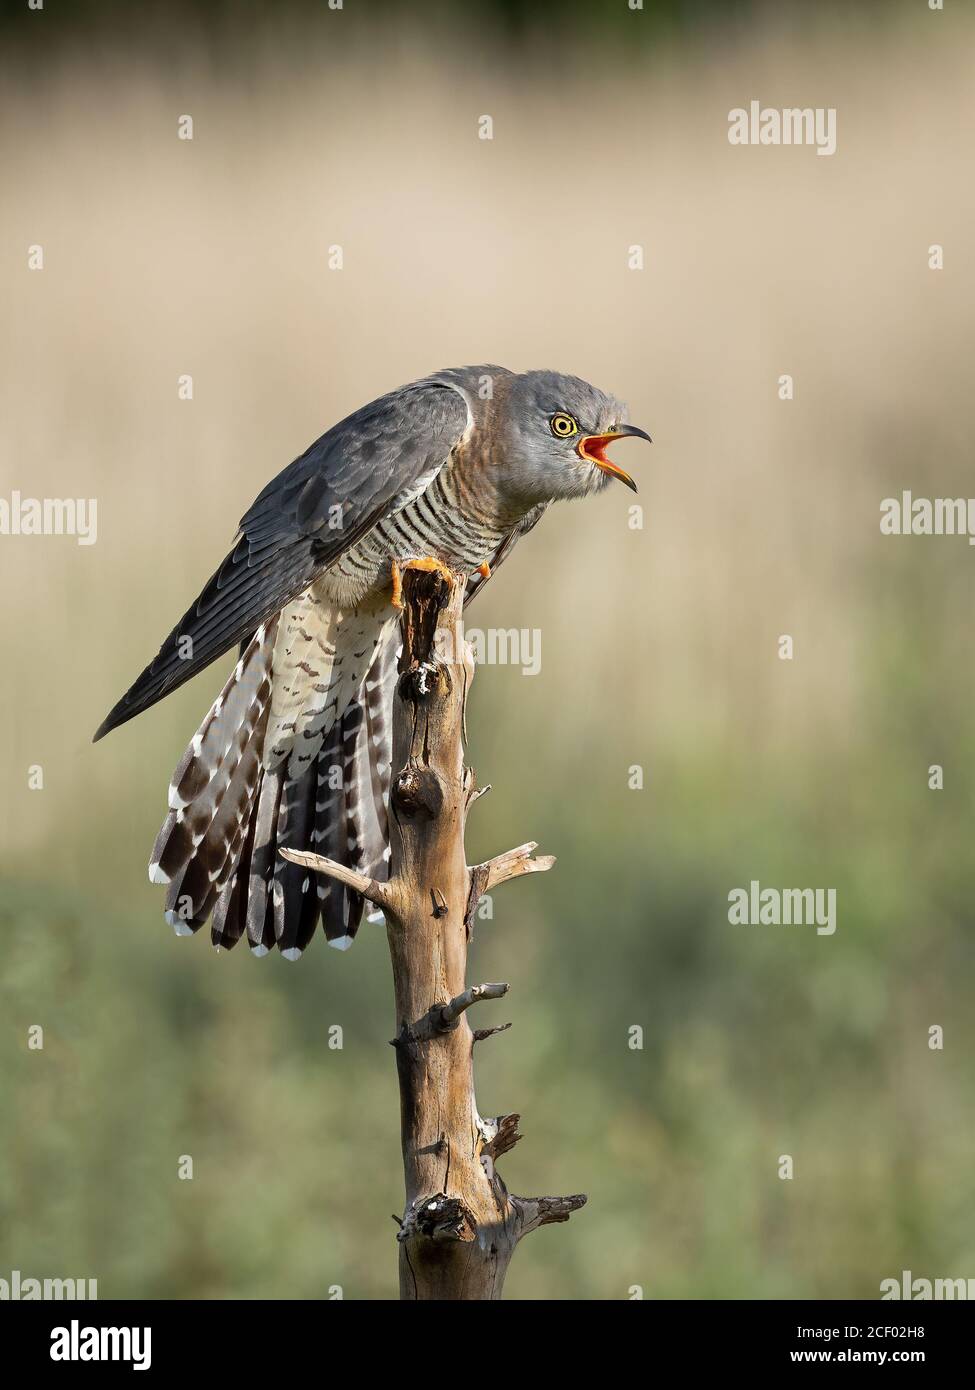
(430, 521)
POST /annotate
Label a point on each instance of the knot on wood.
(438, 1218)
(417, 792)
(424, 680)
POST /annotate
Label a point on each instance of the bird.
(449, 471)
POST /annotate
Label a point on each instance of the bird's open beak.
(592, 449)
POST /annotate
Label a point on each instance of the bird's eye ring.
(563, 426)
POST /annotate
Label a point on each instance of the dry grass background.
(659, 648)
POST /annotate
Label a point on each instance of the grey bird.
(295, 752)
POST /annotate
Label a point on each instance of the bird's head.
(557, 430)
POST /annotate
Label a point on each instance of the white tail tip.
(259, 950)
(292, 953)
(341, 943)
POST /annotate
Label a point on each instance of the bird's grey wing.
(476, 581)
(303, 521)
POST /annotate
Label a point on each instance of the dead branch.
(460, 1225)
(377, 893)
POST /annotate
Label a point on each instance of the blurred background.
(162, 257)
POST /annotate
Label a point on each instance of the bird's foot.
(426, 563)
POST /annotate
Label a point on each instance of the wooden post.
(461, 1225)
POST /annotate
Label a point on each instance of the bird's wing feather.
(303, 521)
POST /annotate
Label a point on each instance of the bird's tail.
(233, 806)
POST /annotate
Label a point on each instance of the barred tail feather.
(341, 908)
(194, 850)
(373, 764)
(193, 893)
(230, 912)
(260, 908)
(231, 812)
(293, 897)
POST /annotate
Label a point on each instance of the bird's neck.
(475, 475)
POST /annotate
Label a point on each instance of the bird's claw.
(426, 563)
(397, 599)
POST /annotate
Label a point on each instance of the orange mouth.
(592, 448)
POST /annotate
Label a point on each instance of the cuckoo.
(295, 751)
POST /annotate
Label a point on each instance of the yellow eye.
(563, 426)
